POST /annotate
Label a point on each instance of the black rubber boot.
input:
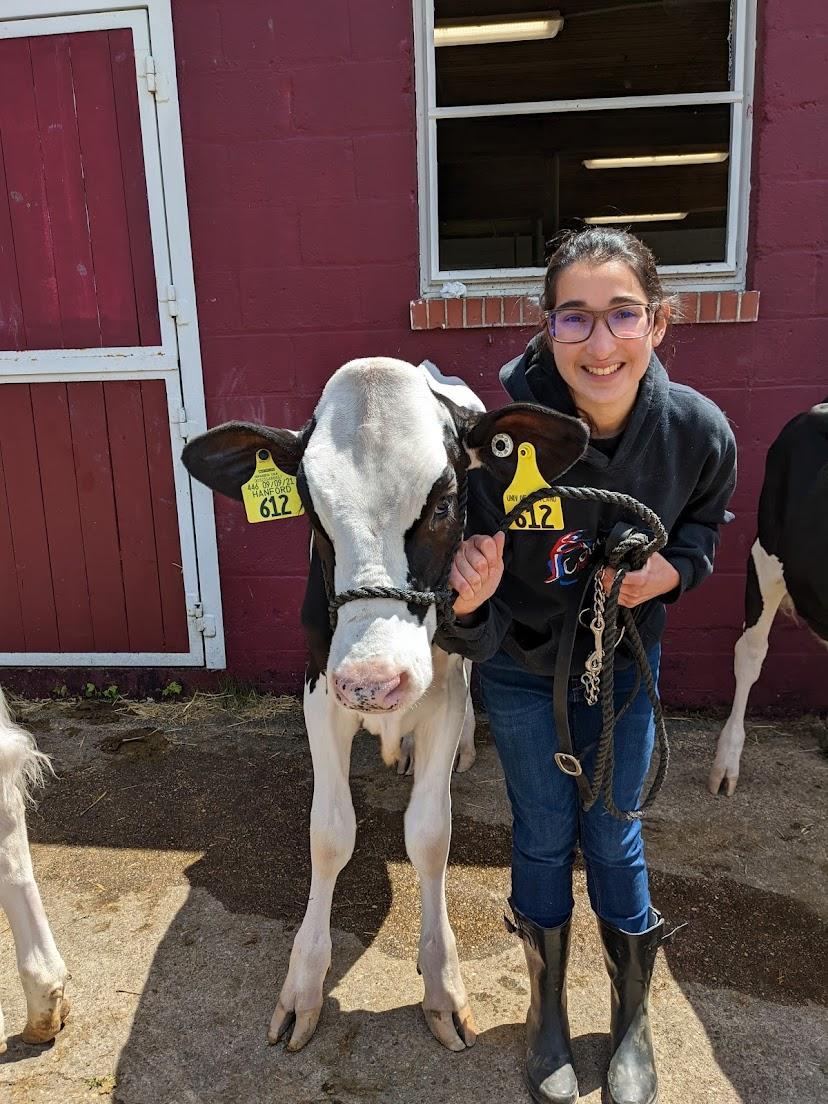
(549, 1072)
(631, 1078)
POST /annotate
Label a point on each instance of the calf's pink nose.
(363, 693)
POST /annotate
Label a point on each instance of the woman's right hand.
(476, 571)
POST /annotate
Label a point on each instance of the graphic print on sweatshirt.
(569, 555)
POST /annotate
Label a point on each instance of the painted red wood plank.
(58, 137)
(11, 617)
(50, 410)
(12, 332)
(28, 524)
(27, 196)
(165, 516)
(98, 131)
(127, 446)
(96, 500)
(122, 57)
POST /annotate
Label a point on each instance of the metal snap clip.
(568, 764)
(502, 444)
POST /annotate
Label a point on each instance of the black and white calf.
(787, 565)
(41, 969)
(380, 467)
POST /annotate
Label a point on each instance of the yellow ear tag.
(270, 494)
(546, 514)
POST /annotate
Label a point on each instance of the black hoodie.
(676, 454)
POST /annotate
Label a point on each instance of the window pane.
(604, 48)
(508, 184)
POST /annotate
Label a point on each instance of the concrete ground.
(172, 856)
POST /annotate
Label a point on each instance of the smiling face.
(604, 371)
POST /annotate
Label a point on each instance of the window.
(539, 116)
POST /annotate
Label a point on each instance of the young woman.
(671, 448)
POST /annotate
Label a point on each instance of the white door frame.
(180, 367)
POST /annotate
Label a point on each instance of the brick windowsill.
(472, 313)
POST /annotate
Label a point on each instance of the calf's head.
(380, 469)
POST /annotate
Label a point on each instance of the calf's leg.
(42, 971)
(427, 837)
(331, 731)
(764, 590)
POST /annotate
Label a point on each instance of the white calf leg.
(42, 970)
(332, 832)
(749, 655)
(427, 837)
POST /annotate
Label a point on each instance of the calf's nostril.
(392, 691)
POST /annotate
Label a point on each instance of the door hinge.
(205, 623)
(156, 81)
(178, 418)
(173, 305)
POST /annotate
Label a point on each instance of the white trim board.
(100, 659)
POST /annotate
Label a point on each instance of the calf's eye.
(442, 508)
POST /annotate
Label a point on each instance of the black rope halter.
(442, 597)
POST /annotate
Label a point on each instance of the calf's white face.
(384, 490)
(379, 468)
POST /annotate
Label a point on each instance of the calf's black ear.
(492, 440)
(224, 458)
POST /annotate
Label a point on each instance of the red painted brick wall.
(299, 142)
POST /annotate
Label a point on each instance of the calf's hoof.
(294, 1026)
(43, 1028)
(455, 1030)
(722, 780)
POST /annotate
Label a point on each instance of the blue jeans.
(548, 822)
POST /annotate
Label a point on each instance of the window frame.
(712, 276)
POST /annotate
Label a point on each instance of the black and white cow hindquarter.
(785, 567)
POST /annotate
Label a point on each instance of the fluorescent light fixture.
(712, 158)
(482, 30)
(660, 216)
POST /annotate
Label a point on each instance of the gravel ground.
(172, 856)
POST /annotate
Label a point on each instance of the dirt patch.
(758, 943)
(136, 743)
(172, 851)
(90, 712)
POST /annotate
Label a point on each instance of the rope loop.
(629, 554)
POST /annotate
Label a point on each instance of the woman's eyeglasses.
(571, 324)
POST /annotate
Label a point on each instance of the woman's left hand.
(657, 576)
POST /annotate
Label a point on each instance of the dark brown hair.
(598, 245)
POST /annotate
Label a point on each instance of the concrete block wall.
(300, 152)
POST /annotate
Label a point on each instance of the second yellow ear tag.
(270, 494)
(546, 514)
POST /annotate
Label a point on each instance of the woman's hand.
(476, 571)
(657, 576)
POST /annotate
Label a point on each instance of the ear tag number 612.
(270, 494)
